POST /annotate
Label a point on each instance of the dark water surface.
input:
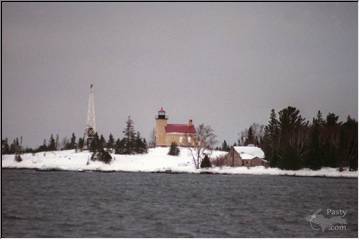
(96, 204)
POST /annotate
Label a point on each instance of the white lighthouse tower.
(90, 129)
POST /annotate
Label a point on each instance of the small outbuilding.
(248, 156)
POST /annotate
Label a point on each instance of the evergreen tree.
(13, 146)
(225, 146)
(18, 157)
(117, 145)
(102, 156)
(94, 144)
(174, 150)
(348, 153)
(331, 140)
(205, 163)
(319, 119)
(314, 156)
(72, 141)
(144, 146)
(102, 142)
(129, 133)
(292, 138)
(111, 142)
(81, 143)
(97, 148)
(271, 140)
(45, 145)
(120, 146)
(52, 144)
(250, 137)
(140, 144)
(5, 148)
(42, 147)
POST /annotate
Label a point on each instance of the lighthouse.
(166, 133)
(160, 133)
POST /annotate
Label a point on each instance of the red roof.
(180, 128)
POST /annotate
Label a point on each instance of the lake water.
(117, 204)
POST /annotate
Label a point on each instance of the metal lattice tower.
(90, 129)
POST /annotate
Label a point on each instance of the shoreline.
(170, 172)
(156, 160)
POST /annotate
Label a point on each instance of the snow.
(250, 152)
(156, 160)
(247, 156)
(261, 170)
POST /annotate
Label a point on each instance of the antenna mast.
(90, 129)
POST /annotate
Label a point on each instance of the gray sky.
(224, 64)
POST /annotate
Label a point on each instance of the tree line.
(288, 140)
(130, 143)
(291, 142)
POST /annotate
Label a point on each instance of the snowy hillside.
(156, 160)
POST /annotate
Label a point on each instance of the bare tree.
(64, 143)
(257, 131)
(57, 143)
(152, 142)
(204, 140)
(242, 137)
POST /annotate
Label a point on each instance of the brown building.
(248, 156)
(165, 133)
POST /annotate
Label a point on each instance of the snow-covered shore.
(156, 160)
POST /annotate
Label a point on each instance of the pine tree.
(174, 150)
(111, 142)
(94, 144)
(129, 133)
(140, 145)
(250, 137)
(81, 143)
(14, 146)
(314, 156)
(5, 148)
(319, 119)
(120, 146)
(72, 141)
(52, 144)
(144, 146)
(97, 148)
(348, 153)
(102, 142)
(225, 146)
(43, 147)
(331, 140)
(117, 146)
(292, 138)
(271, 140)
(205, 163)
